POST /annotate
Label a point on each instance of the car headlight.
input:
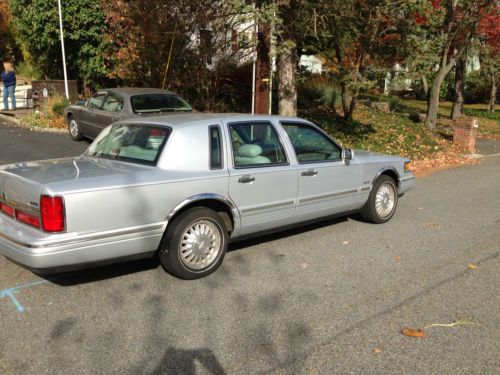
(408, 166)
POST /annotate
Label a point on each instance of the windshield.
(130, 142)
(149, 103)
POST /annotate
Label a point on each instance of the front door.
(327, 183)
(262, 183)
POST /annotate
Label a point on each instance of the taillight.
(52, 213)
(6, 209)
(27, 218)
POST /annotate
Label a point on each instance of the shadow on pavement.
(104, 272)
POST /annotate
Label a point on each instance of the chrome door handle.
(246, 179)
(310, 172)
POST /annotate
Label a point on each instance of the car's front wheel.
(74, 130)
(382, 202)
(194, 244)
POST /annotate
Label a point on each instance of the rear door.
(262, 182)
(111, 111)
(327, 183)
(87, 118)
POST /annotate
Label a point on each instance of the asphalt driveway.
(323, 299)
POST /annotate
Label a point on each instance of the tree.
(489, 52)
(352, 35)
(443, 29)
(36, 24)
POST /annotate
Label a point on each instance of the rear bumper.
(39, 251)
(406, 183)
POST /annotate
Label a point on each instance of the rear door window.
(113, 103)
(95, 102)
(256, 144)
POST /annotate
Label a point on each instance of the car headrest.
(249, 151)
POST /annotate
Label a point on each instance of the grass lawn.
(395, 133)
(489, 123)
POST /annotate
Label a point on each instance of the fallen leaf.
(303, 265)
(420, 208)
(412, 332)
(345, 242)
(397, 258)
(472, 266)
(431, 225)
(376, 350)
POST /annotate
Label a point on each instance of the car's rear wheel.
(194, 244)
(74, 130)
(382, 202)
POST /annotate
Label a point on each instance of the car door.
(111, 111)
(327, 183)
(87, 117)
(262, 183)
(106, 114)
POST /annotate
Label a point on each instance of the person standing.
(9, 85)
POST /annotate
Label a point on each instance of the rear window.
(150, 103)
(129, 142)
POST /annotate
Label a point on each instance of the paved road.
(317, 300)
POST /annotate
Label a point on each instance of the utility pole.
(62, 48)
(262, 65)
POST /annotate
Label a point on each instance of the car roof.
(139, 90)
(186, 119)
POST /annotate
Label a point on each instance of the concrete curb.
(17, 123)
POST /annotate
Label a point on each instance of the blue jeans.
(9, 91)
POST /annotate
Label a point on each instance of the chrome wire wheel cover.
(385, 200)
(73, 128)
(200, 244)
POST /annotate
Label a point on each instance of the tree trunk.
(287, 63)
(457, 110)
(433, 97)
(433, 102)
(425, 85)
(493, 93)
(344, 95)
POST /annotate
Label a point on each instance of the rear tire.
(382, 202)
(194, 244)
(74, 130)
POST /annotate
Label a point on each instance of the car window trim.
(316, 127)
(253, 166)
(221, 153)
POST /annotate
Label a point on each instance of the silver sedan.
(181, 187)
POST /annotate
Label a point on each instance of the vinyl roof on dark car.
(139, 90)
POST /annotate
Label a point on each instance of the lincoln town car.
(182, 187)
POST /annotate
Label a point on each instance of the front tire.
(74, 130)
(382, 202)
(194, 244)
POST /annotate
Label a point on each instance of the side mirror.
(347, 154)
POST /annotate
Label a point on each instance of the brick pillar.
(465, 133)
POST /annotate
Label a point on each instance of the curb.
(17, 123)
(13, 120)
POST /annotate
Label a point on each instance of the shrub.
(58, 106)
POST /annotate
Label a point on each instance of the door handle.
(310, 172)
(246, 179)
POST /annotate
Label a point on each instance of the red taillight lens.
(52, 212)
(28, 218)
(6, 209)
